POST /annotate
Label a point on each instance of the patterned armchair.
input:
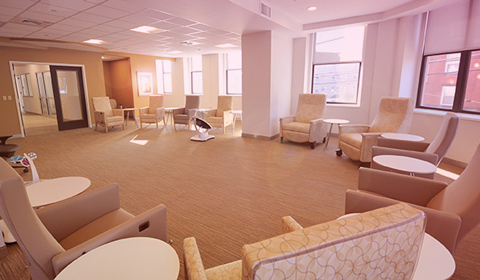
(154, 112)
(306, 125)
(221, 116)
(105, 115)
(356, 141)
(184, 115)
(385, 241)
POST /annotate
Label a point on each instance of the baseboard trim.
(260, 137)
(454, 162)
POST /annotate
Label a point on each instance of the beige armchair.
(356, 141)
(306, 125)
(55, 235)
(452, 211)
(185, 115)
(105, 115)
(324, 251)
(432, 152)
(154, 112)
(221, 116)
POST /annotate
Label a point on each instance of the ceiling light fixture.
(94, 41)
(228, 45)
(174, 52)
(146, 29)
(312, 8)
(190, 43)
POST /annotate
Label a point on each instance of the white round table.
(332, 122)
(405, 164)
(403, 136)
(54, 190)
(169, 113)
(125, 259)
(235, 114)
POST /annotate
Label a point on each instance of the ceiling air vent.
(265, 10)
(31, 22)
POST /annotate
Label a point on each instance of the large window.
(164, 76)
(196, 76)
(451, 82)
(337, 64)
(234, 73)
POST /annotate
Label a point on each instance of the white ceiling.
(188, 26)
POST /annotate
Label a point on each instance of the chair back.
(102, 104)
(113, 103)
(156, 101)
(310, 107)
(225, 103)
(35, 240)
(462, 197)
(191, 102)
(394, 115)
(444, 138)
(386, 241)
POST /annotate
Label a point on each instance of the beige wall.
(118, 83)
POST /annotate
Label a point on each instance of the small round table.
(169, 113)
(235, 114)
(54, 190)
(332, 122)
(131, 258)
(128, 110)
(403, 136)
(405, 164)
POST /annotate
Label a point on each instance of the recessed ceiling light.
(190, 43)
(228, 45)
(146, 29)
(94, 41)
(174, 52)
(312, 8)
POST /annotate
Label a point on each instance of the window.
(451, 82)
(337, 64)
(196, 76)
(164, 76)
(234, 73)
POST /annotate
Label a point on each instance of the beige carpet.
(226, 192)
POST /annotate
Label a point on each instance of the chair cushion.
(298, 127)
(352, 139)
(95, 228)
(114, 119)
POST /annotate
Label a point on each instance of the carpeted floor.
(226, 192)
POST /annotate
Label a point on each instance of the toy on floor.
(202, 128)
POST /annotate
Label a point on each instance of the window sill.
(343, 105)
(463, 116)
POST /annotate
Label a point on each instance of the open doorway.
(50, 98)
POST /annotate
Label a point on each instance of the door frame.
(85, 88)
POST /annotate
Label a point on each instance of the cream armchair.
(55, 235)
(452, 211)
(184, 115)
(432, 152)
(356, 141)
(306, 125)
(221, 116)
(154, 112)
(105, 115)
(324, 251)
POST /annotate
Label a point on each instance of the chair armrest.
(369, 139)
(429, 157)
(119, 112)
(194, 269)
(353, 128)
(286, 120)
(160, 112)
(289, 224)
(100, 116)
(155, 217)
(143, 110)
(65, 217)
(443, 226)
(177, 111)
(402, 144)
(227, 117)
(405, 188)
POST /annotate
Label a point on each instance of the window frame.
(357, 95)
(460, 85)
(192, 84)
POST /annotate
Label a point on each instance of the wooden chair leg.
(106, 128)
(156, 123)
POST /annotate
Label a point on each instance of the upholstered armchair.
(221, 116)
(105, 115)
(432, 152)
(324, 251)
(306, 125)
(184, 115)
(356, 141)
(452, 211)
(54, 236)
(154, 112)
